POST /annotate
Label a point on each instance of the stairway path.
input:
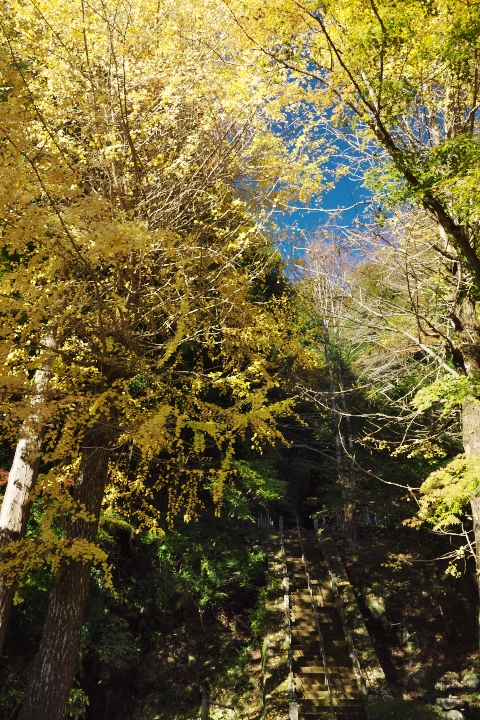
(308, 668)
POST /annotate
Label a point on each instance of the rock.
(451, 703)
(146, 674)
(470, 679)
(449, 681)
(417, 678)
(452, 715)
(376, 605)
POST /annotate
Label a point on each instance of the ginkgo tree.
(141, 153)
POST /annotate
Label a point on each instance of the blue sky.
(338, 203)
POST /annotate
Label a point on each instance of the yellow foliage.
(137, 171)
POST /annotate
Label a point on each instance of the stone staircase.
(312, 692)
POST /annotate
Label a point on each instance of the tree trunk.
(54, 667)
(347, 516)
(471, 443)
(471, 427)
(22, 478)
(349, 520)
(335, 413)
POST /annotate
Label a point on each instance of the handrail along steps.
(320, 637)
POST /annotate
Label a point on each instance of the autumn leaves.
(137, 165)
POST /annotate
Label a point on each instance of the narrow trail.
(308, 667)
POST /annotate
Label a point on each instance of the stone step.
(324, 626)
(309, 673)
(323, 713)
(315, 667)
(327, 632)
(326, 620)
(309, 649)
(328, 642)
(343, 705)
(344, 673)
(350, 692)
(313, 695)
(316, 676)
(355, 705)
(307, 617)
(317, 661)
(312, 650)
(326, 713)
(328, 624)
(336, 677)
(325, 605)
(308, 681)
(310, 645)
(308, 623)
(304, 596)
(301, 596)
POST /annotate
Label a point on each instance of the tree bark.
(471, 427)
(54, 667)
(22, 478)
(349, 520)
(347, 516)
(471, 443)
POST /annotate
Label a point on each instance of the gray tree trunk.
(349, 521)
(347, 516)
(22, 478)
(471, 443)
(335, 413)
(54, 667)
(471, 427)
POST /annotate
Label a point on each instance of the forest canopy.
(158, 354)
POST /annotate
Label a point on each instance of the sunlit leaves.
(142, 155)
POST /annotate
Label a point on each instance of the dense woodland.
(170, 373)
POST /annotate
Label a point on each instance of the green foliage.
(204, 569)
(399, 709)
(257, 484)
(446, 491)
(164, 589)
(12, 692)
(449, 391)
(118, 648)
(77, 703)
(447, 170)
(260, 616)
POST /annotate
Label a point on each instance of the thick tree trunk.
(54, 667)
(22, 478)
(471, 427)
(471, 443)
